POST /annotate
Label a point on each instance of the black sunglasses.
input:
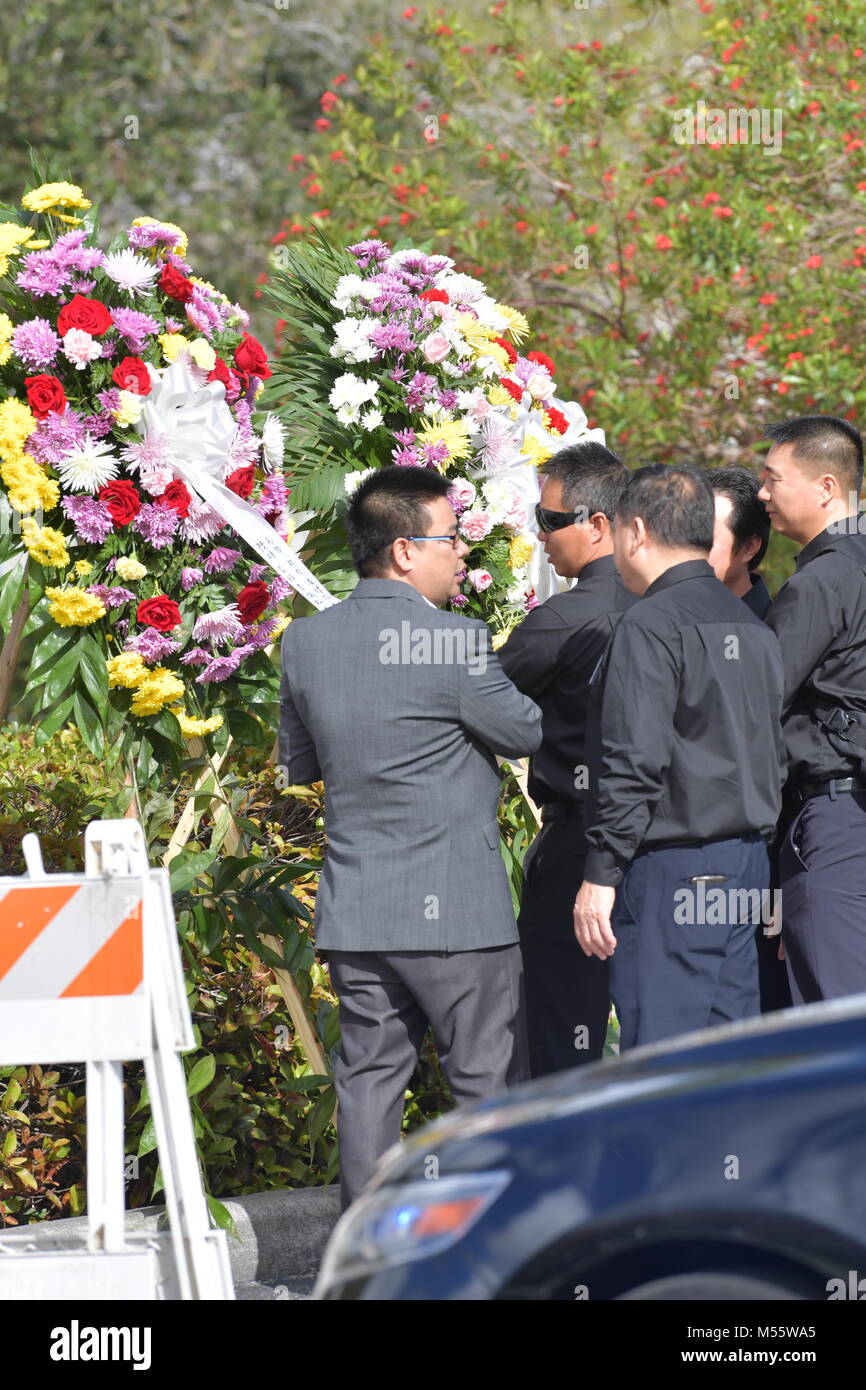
(546, 520)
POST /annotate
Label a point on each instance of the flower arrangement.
(415, 364)
(148, 603)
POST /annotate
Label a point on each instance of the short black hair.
(748, 517)
(824, 443)
(389, 504)
(591, 476)
(675, 504)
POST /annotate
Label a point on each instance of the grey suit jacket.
(378, 704)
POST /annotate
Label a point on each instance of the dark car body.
(738, 1153)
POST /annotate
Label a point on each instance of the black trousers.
(822, 871)
(567, 998)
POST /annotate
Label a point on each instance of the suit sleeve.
(805, 618)
(529, 657)
(636, 723)
(493, 710)
(297, 749)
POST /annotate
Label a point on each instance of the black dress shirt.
(819, 617)
(758, 597)
(550, 657)
(687, 707)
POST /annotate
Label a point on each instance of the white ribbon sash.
(199, 428)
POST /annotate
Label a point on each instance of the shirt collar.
(828, 539)
(687, 569)
(602, 565)
(388, 588)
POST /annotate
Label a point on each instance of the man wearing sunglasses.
(384, 700)
(551, 657)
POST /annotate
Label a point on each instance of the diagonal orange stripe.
(24, 914)
(117, 967)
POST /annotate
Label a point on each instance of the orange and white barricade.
(90, 971)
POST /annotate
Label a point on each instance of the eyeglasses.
(546, 520)
(452, 539)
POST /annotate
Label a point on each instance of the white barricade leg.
(105, 1156)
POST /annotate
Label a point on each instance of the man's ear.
(638, 533)
(748, 549)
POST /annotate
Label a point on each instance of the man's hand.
(592, 908)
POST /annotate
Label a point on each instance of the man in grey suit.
(399, 708)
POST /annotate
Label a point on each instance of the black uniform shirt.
(758, 597)
(819, 617)
(550, 657)
(688, 708)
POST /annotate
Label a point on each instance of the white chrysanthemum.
(273, 443)
(130, 271)
(353, 340)
(489, 315)
(499, 449)
(460, 289)
(371, 419)
(499, 499)
(352, 481)
(352, 287)
(89, 467)
(348, 394)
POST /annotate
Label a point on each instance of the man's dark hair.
(389, 504)
(591, 477)
(748, 517)
(824, 444)
(675, 504)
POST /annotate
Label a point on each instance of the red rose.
(251, 358)
(220, 372)
(252, 601)
(89, 315)
(132, 375)
(160, 612)
(177, 496)
(175, 285)
(44, 394)
(122, 501)
(242, 480)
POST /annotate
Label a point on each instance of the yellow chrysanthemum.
(74, 607)
(83, 567)
(29, 487)
(497, 395)
(47, 547)
(55, 195)
(202, 354)
(158, 689)
(520, 551)
(72, 221)
(13, 237)
(182, 246)
(4, 265)
(23, 494)
(39, 245)
(172, 345)
(454, 434)
(17, 421)
(289, 534)
(195, 728)
(128, 568)
(127, 670)
(280, 627)
(518, 325)
(499, 639)
(536, 451)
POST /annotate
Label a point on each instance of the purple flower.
(122, 626)
(204, 312)
(152, 645)
(109, 348)
(79, 285)
(111, 596)
(173, 325)
(392, 335)
(405, 458)
(56, 436)
(41, 275)
(178, 262)
(262, 635)
(98, 426)
(256, 572)
(189, 577)
(134, 327)
(221, 560)
(224, 625)
(149, 454)
(459, 601)
(153, 234)
(274, 496)
(280, 589)
(238, 315)
(448, 399)
(36, 343)
(367, 251)
(196, 656)
(219, 669)
(156, 524)
(110, 399)
(404, 436)
(201, 523)
(433, 454)
(419, 389)
(90, 517)
(397, 373)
